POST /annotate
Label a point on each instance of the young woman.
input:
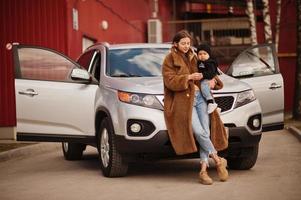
(185, 110)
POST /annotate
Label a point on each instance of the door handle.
(274, 86)
(28, 92)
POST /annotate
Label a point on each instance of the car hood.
(147, 85)
(232, 85)
(154, 85)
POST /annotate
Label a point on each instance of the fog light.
(139, 128)
(135, 128)
(256, 123)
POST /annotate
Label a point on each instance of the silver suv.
(112, 98)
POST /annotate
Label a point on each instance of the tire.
(73, 151)
(111, 161)
(244, 163)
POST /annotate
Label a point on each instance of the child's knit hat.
(204, 47)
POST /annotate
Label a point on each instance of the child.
(208, 67)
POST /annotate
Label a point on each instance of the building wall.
(127, 21)
(37, 22)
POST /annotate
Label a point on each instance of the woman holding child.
(185, 109)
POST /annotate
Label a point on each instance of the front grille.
(224, 102)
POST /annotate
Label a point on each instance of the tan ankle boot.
(204, 178)
(222, 170)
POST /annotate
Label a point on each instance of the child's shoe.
(211, 107)
(204, 178)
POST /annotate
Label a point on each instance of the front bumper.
(239, 138)
(159, 143)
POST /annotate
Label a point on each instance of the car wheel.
(111, 161)
(243, 163)
(73, 151)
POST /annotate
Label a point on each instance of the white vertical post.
(250, 13)
(278, 17)
(267, 22)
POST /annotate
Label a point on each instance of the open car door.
(258, 66)
(54, 97)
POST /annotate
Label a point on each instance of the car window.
(40, 64)
(255, 62)
(85, 59)
(136, 62)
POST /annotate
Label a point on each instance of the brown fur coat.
(178, 100)
(218, 132)
(178, 103)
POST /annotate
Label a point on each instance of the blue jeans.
(200, 127)
(205, 89)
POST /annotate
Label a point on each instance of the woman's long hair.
(181, 34)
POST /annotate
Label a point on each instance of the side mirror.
(80, 74)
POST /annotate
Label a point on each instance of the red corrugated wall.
(37, 22)
(127, 21)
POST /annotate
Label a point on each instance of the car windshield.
(136, 62)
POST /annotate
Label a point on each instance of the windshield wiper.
(263, 61)
(125, 75)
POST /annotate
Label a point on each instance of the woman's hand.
(212, 83)
(195, 76)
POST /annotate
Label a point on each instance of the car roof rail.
(106, 44)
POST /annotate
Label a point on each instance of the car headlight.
(145, 100)
(244, 98)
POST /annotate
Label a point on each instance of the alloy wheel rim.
(105, 148)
